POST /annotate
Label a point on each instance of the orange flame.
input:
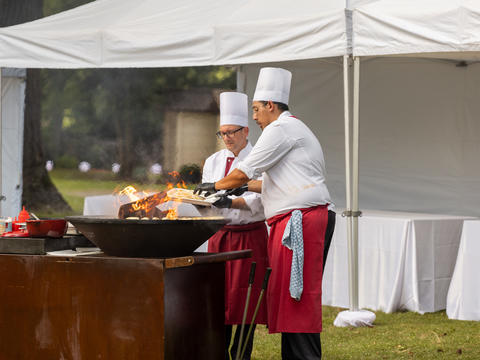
(140, 200)
(130, 191)
(172, 213)
(136, 196)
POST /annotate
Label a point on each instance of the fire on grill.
(143, 230)
(144, 208)
(147, 207)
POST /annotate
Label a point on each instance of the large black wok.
(146, 238)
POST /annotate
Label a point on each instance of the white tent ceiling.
(426, 28)
(153, 33)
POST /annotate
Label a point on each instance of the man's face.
(234, 137)
(262, 113)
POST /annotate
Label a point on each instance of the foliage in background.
(105, 116)
(191, 173)
(115, 115)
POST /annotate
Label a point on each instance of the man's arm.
(255, 186)
(239, 203)
(235, 179)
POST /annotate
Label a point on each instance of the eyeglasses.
(229, 134)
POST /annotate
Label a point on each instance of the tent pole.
(348, 201)
(355, 212)
(240, 79)
(1, 142)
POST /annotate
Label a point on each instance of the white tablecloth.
(463, 301)
(106, 205)
(406, 261)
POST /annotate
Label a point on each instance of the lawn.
(402, 335)
(75, 186)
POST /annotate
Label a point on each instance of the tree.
(38, 190)
(116, 115)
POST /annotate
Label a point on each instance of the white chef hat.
(273, 84)
(233, 109)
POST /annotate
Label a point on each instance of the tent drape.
(153, 33)
(425, 28)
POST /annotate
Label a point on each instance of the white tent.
(11, 139)
(419, 104)
(418, 101)
(419, 132)
(152, 33)
(426, 28)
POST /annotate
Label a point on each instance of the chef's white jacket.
(291, 160)
(214, 170)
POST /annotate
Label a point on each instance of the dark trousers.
(233, 351)
(328, 234)
(301, 346)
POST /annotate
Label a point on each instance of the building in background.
(190, 123)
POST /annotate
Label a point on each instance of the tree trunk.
(39, 193)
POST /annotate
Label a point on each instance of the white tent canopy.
(426, 28)
(152, 33)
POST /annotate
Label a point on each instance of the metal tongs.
(211, 198)
(242, 346)
(230, 192)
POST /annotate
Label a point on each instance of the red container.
(54, 228)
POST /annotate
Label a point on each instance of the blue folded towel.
(293, 240)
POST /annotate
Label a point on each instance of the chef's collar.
(243, 153)
(285, 113)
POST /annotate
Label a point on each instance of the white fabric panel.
(294, 30)
(153, 33)
(417, 26)
(13, 99)
(117, 33)
(419, 136)
(463, 300)
(406, 261)
(419, 130)
(105, 205)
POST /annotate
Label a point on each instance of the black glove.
(208, 188)
(223, 202)
(237, 191)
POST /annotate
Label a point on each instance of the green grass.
(75, 186)
(402, 335)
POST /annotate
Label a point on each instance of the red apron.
(240, 237)
(286, 314)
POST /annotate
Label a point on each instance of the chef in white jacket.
(246, 228)
(296, 201)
